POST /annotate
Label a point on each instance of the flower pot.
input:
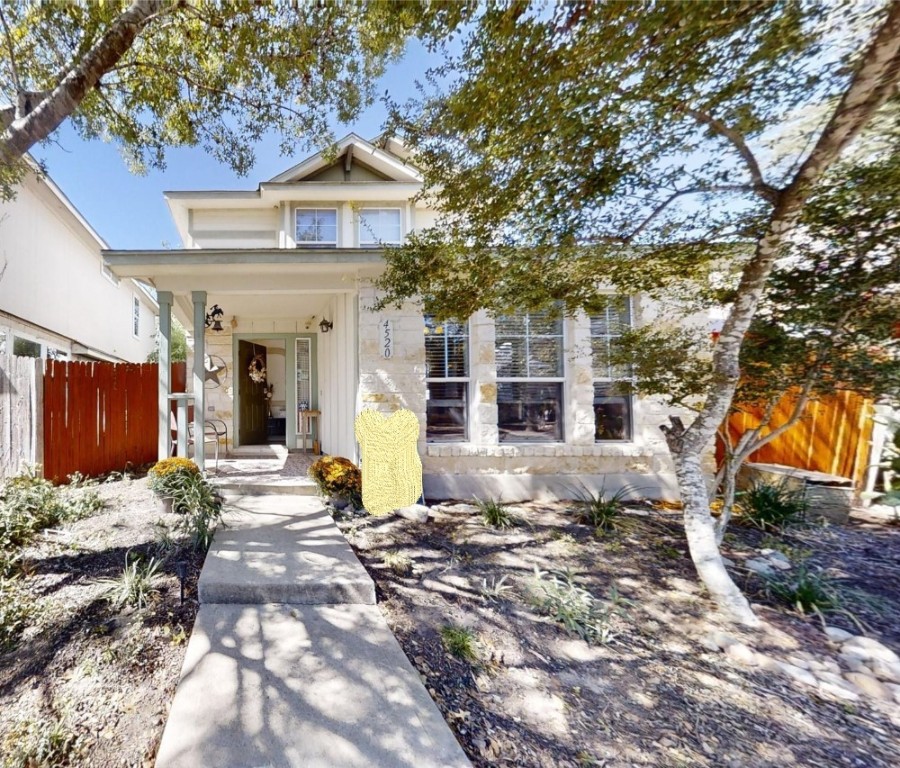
(338, 503)
(165, 504)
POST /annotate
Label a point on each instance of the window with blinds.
(613, 412)
(530, 371)
(446, 380)
(304, 378)
(379, 225)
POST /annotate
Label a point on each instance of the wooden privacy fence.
(101, 417)
(20, 414)
(832, 436)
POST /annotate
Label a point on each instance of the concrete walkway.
(290, 662)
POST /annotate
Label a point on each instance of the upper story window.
(613, 412)
(446, 380)
(529, 355)
(135, 317)
(316, 228)
(379, 225)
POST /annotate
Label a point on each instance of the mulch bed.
(655, 695)
(95, 683)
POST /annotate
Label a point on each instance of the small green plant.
(338, 478)
(192, 495)
(135, 587)
(601, 511)
(41, 744)
(496, 589)
(398, 562)
(558, 595)
(16, 608)
(460, 642)
(772, 506)
(495, 514)
(806, 590)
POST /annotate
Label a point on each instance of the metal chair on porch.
(213, 430)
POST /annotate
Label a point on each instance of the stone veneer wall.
(511, 472)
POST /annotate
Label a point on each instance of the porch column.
(199, 299)
(164, 299)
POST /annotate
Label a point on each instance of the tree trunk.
(38, 122)
(874, 81)
(729, 492)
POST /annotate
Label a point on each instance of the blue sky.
(128, 211)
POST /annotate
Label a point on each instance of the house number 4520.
(387, 338)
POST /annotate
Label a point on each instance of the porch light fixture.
(325, 325)
(214, 318)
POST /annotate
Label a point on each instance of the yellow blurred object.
(391, 467)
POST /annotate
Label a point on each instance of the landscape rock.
(722, 640)
(870, 686)
(856, 664)
(838, 635)
(760, 566)
(418, 513)
(741, 654)
(871, 648)
(885, 670)
(797, 674)
(838, 691)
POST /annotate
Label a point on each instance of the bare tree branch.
(760, 186)
(682, 193)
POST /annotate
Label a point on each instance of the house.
(517, 407)
(57, 297)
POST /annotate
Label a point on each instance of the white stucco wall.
(53, 289)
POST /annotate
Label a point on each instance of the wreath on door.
(257, 369)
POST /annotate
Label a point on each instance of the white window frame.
(609, 380)
(318, 243)
(135, 316)
(375, 242)
(559, 380)
(453, 380)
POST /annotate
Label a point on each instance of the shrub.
(28, 504)
(192, 495)
(772, 507)
(460, 642)
(135, 586)
(399, 562)
(339, 478)
(15, 610)
(560, 597)
(495, 514)
(42, 744)
(805, 589)
(602, 512)
(169, 477)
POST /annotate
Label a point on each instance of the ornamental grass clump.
(192, 496)
(338, 478)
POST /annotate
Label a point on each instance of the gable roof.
(389, 159)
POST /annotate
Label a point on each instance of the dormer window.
(379, 225)
(316, 228)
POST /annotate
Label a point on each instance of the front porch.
(285, 345)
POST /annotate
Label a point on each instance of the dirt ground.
(88, 680)
(658, 693)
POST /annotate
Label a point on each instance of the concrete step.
(231, 487)
(277, 548)
(302, 687)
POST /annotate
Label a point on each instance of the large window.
(447, 380)
(316, 228)
(529, 354)
(379, 225)
(612, 409)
